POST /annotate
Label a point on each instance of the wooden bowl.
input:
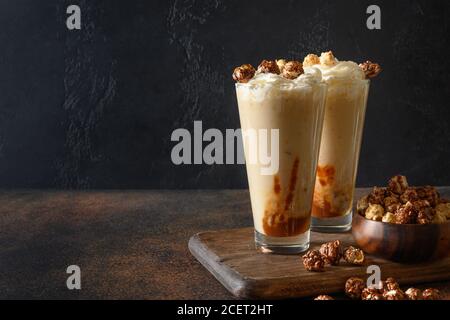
(402, 242)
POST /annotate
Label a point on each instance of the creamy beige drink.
(281, 199)
(348, 88)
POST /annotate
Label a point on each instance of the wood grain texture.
(231, 257)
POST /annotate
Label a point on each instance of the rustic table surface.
(128, 244)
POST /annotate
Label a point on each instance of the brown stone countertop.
(128, 244)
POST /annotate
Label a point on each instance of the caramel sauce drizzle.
(292, 184)
(322, 206)
(277, 221)
(326, 174)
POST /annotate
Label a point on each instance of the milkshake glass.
(340, 145)
(281, 199)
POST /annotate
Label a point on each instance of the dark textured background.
(95, 108)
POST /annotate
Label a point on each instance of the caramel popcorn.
(362, 205)
(443, 209)
(243, 73)
(395, 294)
(390, 284)
(406, 214)
(425, 217)
(398, 184)
(268, 66)
(354, 255)
(354, 287)
(414, 294)
(421, 204)
(310, 60)
(410, 195)
(377, 196)
(389, 217)
(370, 69)
(313, 261)
(292, 70)
(327, 59)
(331, 252)
(439, 218)
(425, 213)
(430, 194)
(375, 212)
(403, 204)
(323, 297)
(391, 203)
(371, 294)
(389, 289)
(281, 63)
(431, 294)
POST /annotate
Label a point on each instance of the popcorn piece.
(391, 203)
(375, 212)
(430, 194)
(443, 209)
(362, 205)
(313, 261)
(398, 184)
(331, 252)
(243, 73)
(310, 60)
(370, 69)
(439, 218)
(431, 294)
(354, 256)
(421, 204)
(390, 284)
(324, 297)
(395, 294)
(406, 214)
(354, 287)
(374, 296)
(281, 63)
(425, 213)
(268, 66)
(410, 194)
(292, 70)
(426, 216)
(327, 59)
(377, 196)
(371, 294)
(389, 217)
(414, 294)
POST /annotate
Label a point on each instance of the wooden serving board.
(230, 255)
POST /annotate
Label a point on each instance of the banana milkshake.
(286, 104)
(345, 107)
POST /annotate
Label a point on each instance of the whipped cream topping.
(340, 71)
(311, 77)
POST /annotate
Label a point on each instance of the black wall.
(95, 108)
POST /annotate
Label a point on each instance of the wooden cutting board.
(231, 257)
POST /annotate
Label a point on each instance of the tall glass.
(339, 153)
(281, 199)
